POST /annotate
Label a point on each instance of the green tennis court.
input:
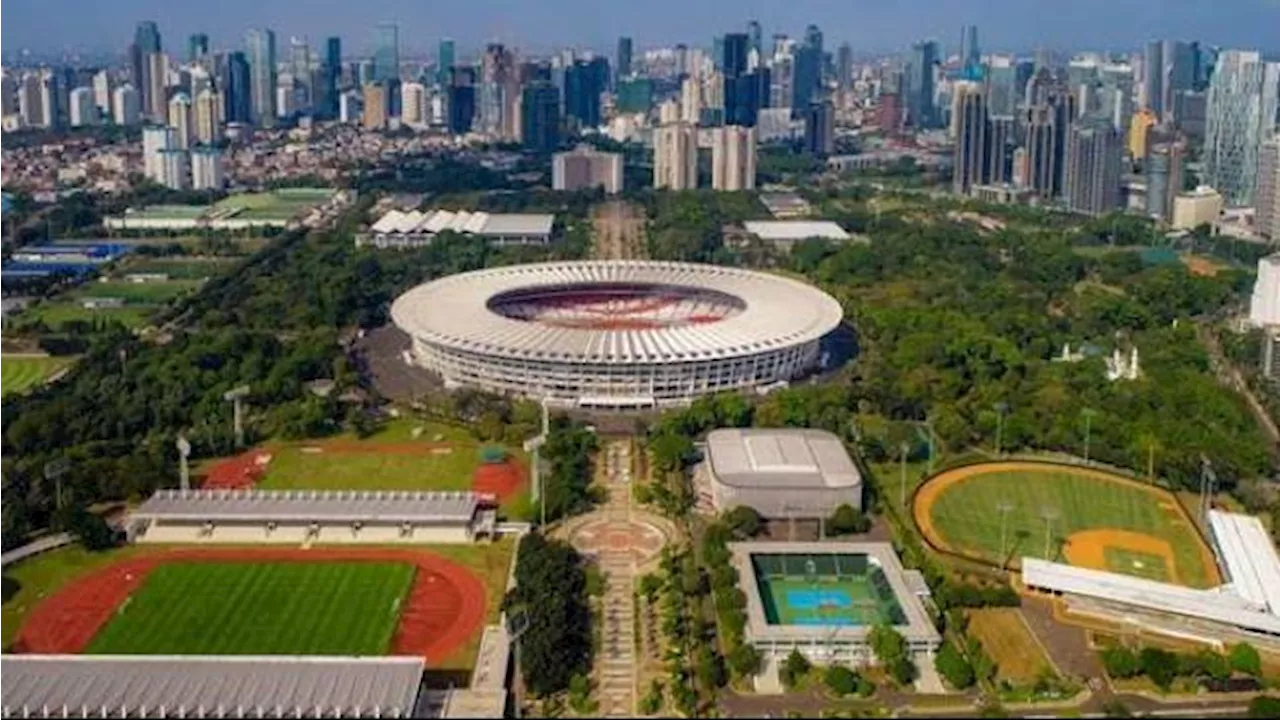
(821, 589)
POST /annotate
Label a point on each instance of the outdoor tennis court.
(824, 589)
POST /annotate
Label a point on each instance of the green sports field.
(19, 374)
(55, 313)
(236, 608)
(961, 510)
(139, 293)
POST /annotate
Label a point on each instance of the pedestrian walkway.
(616, 664)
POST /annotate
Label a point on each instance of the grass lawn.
(141, 293)
(54, 314)
(272, 205)
(1007, 639)
(241, 608)
(967, 518)
(19, 374)
(179, 269)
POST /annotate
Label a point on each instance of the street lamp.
(1001, 408)
(903, 449)
(1088, 414)
(1049, 514)
(1004, 507)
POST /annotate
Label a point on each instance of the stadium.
(616, 335)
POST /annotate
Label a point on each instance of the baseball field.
(1000, 512)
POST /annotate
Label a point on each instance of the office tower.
(781, 91)
(197, 47)
(1001, 142)
(1163, 173)
(208, 116)
(462, 100)
(889, 114)
(717, 52)
(299, 85)
(146, 40)
(1267, 196)
(386, 52)
(813, 37)
(206, 169)
(1153, 77)
(970, 55)
(1139, 128)
(350, 107)
(1179, 74)
(584, 81)
(540, 118)
(635, 95)
(919, 90)
(1003, 88)
(444, 61)
(102, 93)
(326, 85)
(755, 38)
(733, 158)
(126, 106)
(743, 97)
(83, 110)
(156, 93)
(971, 138)
(806, 81)
(1189, 112)
(819, 129)
(1092, 184)
(675, 156)
(734, 60)
(497, 79)
(237, 89)
(1241, 113)
(584, 168)
(179, 116)
(624, 58)
(844, 67)
(8, 95)
(260, 50)
(362, 71)
(413, 107)
(375, 107)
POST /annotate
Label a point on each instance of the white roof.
(1219, 605)
(795, 229)
(777, 312)
(209, 686)
(1251, 560)
(371, 506)
(463, 221)
(780, 457)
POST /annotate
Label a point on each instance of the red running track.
(502, 480)
(445, 605)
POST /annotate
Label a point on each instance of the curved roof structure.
(790, 458)
(648, 312)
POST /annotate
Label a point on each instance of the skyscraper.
(444, 61)
(733, 158)
(584, 81)
(1153, 77)
(584, 168)
(376, 106)
(197, 47)
(1267, 197)
(807, 70)
(413, 104)
(675, 156)
(83, 111)
(497, 82)
(330, 74)
(755, 38)
(970, 55)
(462, 100)
(1001, 143)
(237, 88)
(1179, 74)
(260, 49)
(126, 105)
(1241, 113)
(208, 116)
(180, 121)
(734, 61)
(624, 58)
(919, 91)
(971, 138)
(540, 118)
(146, 40)
(1093, 168)
(1163, 172)
(386, 52)
(101, 92)
(844, 67)
(819, 129)
(157, 73)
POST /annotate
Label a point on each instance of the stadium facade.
(616, 334)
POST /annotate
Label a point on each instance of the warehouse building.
(781, 472)
(415, 228)
(784, 234)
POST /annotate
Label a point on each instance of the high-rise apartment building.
(733, 158)
(206, 169)
(157, 91)
(102, 93)
(1241, 113)
(675, 156)
(386, 52)
(1092, 184)
(584, 168)
(1267, 196)
(1001, 143)
(208, 113)
(413, 104)
(126, 106)
(376, 107)
(179, 116)
(260, 51)
(83, 110)
(971, 161)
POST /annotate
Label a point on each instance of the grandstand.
(823, 598)
(1246, 608)
(415, 228)
(312, 516)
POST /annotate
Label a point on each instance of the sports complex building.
(823, 598)
(616, 334)
(780, 472)
(1245, 608)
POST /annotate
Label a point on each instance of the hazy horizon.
(53, 26)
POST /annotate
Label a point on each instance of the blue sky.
(872, 25)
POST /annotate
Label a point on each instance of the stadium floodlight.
(1001, 408)
(1048, 514)
(1004, 507)
(236, 397)
(903, 449)
(53, 471)
(1087, 414)
(184, 451)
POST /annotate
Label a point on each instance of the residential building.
(1202, 206)
(1241, 113)
(175, 169)
(1163, 173)
(260, 51)
(540, 118)
(690, 101)
(83, 110)
(413, 108)
(675, 156)
(1001, 143)
(350, 107)
(1092, 183)
(206, 169)
(1139, 127)
(208, 117)
(156, 139)
(971, 134)
(733, 158)
(102, 93)
(156, 94)
(386, 52)
(374, 107)
(179, 114)
(1267, 196)
(584, 168)
(126, 105)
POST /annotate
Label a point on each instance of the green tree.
(793, 668)
(953, 666)
(1120, 662)
(846, 519)
(840, 680)
(744, 659)
(551, 591)
(887, 644)
(1159, 665)
(651, 701)
(743, 521)
(1264, 706)
(1244, 658)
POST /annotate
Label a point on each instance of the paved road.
(618, 231)
(35, 547)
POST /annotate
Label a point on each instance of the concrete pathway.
(616, 661)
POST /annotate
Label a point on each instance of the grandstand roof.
(394, 506)
(1219, 605)
(795, 229)
(780, 457)
(1251, 560)
(463, 221)
(209, 686)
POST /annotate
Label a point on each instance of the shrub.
(840, 680)
(1244, 658)
(651, 702)
(1159, 665)
(1264, 706)
(744, 660)
(953, 666)
(793, 668)
(846, 520)
(1120, 662)
(743, 521)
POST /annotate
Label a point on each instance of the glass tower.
(260, 47)
(1241, 114)
(386, 52)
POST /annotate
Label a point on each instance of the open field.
(19, 374)
(193, 269)
(244, 608)
(1067, 514)
(137, 293)
(273, 205)
(55, 313)
(1006, 638)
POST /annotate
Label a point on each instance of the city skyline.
(1004, 25)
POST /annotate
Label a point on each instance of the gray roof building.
(782, 472)
(396, 506)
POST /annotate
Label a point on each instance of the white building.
(175, 167)
(584, 168)
(156, 139)
(208, 117)
(82, 109)
(1201, 206)
(733, 158)
(126, 105)
(399, 229)
(690, 100)
(102, 93)
(29, 107)
(781, 472)
(1264, 306)
(350, 107)
(49, 98)
(675, 157)
(413, 104)
(180, 121)
(206, 169)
